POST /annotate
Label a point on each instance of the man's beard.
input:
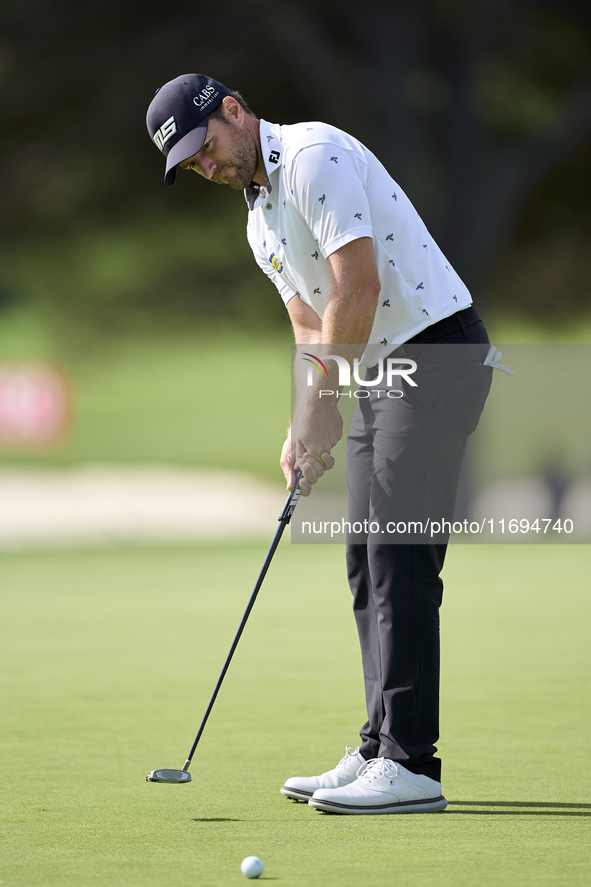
(242, 165)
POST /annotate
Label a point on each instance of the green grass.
(220, 398)
(216, 398)
(108, 659)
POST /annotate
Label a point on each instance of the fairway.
(108, 661)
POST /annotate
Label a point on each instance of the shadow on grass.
(215, 819)
(528, 808)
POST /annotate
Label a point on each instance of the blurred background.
(135, 327)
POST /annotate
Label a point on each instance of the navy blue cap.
(178, 116)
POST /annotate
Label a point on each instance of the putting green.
(108, 659)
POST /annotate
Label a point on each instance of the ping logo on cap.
(162, 135)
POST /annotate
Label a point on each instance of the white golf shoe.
(301, 788)
(382, 786)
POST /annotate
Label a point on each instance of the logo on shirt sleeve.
(276, 263)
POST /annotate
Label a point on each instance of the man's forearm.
(349, 317)
(344, 331)
(346, 328)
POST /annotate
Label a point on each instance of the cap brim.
(188, 145)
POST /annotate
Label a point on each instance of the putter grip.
(292, 500)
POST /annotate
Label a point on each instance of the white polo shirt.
(325, 189)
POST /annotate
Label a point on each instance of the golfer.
(362, 279)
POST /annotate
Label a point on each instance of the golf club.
(182, 776)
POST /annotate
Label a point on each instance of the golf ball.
(252, 867)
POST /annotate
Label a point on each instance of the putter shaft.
(284, 519)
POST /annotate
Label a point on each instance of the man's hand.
(316, 430)
(286, 462)
(313, 434)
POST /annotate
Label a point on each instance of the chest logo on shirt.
(276, 263)
(274, 156)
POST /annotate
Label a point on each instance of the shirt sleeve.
(327, 189)
(284, 290)
(264, 264)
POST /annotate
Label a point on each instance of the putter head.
(173, 776)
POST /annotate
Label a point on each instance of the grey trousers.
(403, 464)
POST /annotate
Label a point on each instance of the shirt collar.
(272, 151)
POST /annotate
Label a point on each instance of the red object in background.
(34, 404)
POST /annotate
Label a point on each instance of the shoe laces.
(351, 751)
(377, 768)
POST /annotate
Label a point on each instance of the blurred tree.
(481, 111)
(469, 105)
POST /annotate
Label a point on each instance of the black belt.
(446, 327)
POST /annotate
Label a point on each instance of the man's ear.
(232, 108)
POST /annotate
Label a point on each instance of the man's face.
(228, 156)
